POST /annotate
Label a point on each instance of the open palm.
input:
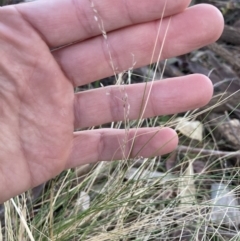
(39, 110)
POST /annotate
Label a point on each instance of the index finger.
(62, 22)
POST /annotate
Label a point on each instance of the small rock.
(225, 209)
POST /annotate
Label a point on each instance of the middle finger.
(90, 60)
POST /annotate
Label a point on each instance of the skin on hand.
(38, 108)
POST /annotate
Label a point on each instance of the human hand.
(39, 110)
